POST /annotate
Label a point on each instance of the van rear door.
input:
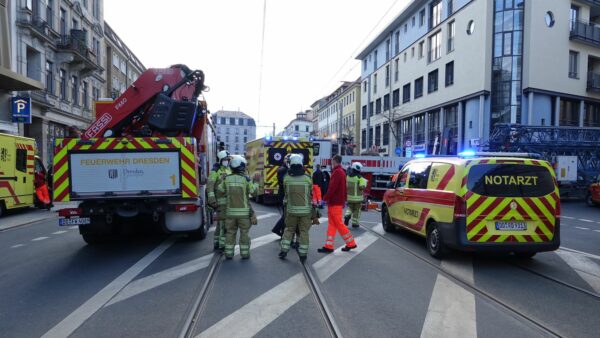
(511, 201)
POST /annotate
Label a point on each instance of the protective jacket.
(214, 179)
(355, 186)
(298, 194)
(235, 188)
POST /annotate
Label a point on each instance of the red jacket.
(336, 191)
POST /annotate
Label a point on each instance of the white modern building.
(235, 129)
(301, 126)
(451, 69)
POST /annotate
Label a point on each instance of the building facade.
(60, 44)
(338, 114)
(452, 69)
(235, 129)
(122, 66)
(301, 126)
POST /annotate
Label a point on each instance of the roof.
(232, 113)
(110, 34)
(406, 13)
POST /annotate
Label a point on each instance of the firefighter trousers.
(292, 225)
(336, 224)
(354, 211)
(219, 236)
(232, 225)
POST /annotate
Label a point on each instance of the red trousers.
(336, 224)
(316, 194)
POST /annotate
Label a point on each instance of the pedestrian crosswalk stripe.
(587, 269)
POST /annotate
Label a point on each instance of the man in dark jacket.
(317, 183)
(336, 199)
(326, 179)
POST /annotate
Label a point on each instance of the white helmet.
(357, 166)
(296, 159)
(237, 162)
(222, 154)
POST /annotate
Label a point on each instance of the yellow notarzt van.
(481, 202)
(17, 169)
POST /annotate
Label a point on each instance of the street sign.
(408, 152)
(419, 147)
(21, 110)
(398, 151)
(408, 143)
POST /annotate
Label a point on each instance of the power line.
(351, 57)
(262, 57)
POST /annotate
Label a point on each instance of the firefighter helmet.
(238, 162)
(296, 159)
(357, 166)
(222, 154)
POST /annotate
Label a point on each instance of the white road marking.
(59, 232)
(73, 321)
(581, 228)
(39, 239)
(587, 269)
(451, 311)
(567, 217)
(251, 318)
(597, 230)
(588, 255)
(270, 214)
(160, 278)
(379, 229)
(74, 227)
(586, 220)
(17, 246)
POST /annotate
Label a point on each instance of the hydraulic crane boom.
(159, 102)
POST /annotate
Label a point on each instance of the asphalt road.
(53, 284)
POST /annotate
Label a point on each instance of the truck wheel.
(97, 232)
(435, 242)
(94, 239)
(2, 208)
(589, 201)
(386, 221)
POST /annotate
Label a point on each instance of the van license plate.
(519, 226)
(74, 221)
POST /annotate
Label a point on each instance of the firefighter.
(215, 200)
(355, 187)
(236, 187)
(298, 207)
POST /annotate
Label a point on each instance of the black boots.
(348, 248)
(302, 259)
(347, 219)
(282, 255)
(325, 250)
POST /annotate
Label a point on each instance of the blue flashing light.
(311, 139)
(285, 138)
(467, 153)
(269, 138)
(421, 155)
(295, 138)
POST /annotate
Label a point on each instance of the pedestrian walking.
(355, 187)
(216, 200)
(317, 178)
(298, 207)
(326, 179)
(236, 187)
(336, 198)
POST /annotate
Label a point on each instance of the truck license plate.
(74, 221)
(511, 226)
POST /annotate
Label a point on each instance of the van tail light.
(70, 212)
(557, 211)
(186, 208)
(460, 207)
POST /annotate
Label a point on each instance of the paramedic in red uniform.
(336, 199)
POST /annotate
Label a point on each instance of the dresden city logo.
(113, 173)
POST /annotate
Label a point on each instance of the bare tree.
(392, 115)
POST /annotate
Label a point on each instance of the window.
(432, 81)
(402, 178)
(396, 98)
(378, 135)
(386, 134)
(406, 93)
(86, 99)
(387, 76)
(21, 163)
(241, 122)
(574, 15)
(232, 121)
(74, 90)
(63, 22)
(297, 128)
(49, 77)
(96, 8)
(378, 106)
(549, 19)
(375, 84)
(227, 130)
(471, 27)
(419, 87)
(419, 175)
(396, 72)
(50, 14)
(482, 180)
(63, 84)
(227, 138)
(85, 4)
(74, 24)
(365, 86)
(412, 52)
(370, 136)
(375, 59)
(96, 93)
(435, 47)
(421, 49)
(237, 139)
(365, 64)
(386, 102)
(405, 55)
(422, 18)
(245, 131)
(450, 7)
(29, 5)
(370, 109)
(387, 49)
(414, 20)
(405, 27)
(451, 35)
(397, 47)
(573, 64)
(223, 120)
(246, 139)
(449, 73)
(435, 13)
(364, 112)
(363, 139)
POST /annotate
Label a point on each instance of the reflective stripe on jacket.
(355, 185)
(235, 188)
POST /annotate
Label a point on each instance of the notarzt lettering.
(511, 180)
(412, 213)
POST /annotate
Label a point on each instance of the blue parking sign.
(21, 110)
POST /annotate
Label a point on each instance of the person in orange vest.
(336, 199)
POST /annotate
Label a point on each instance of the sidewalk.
(30, 215)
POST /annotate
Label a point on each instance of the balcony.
(593, 82)
(37, 25)
(75, 51)
(588, 33)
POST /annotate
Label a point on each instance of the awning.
(10, 80)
